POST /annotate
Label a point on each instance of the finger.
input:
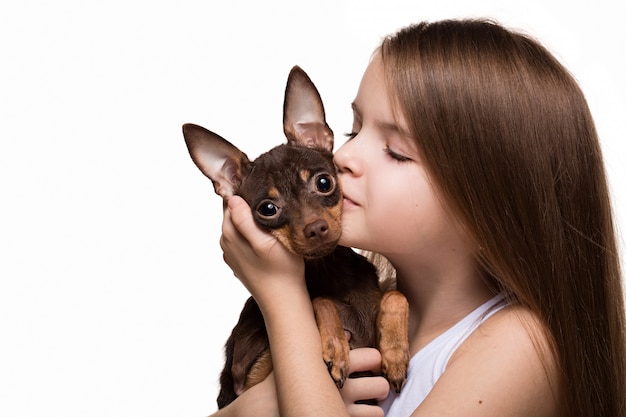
(234, 245)
(363, 410)
(365, 359)
(229, 228)
(240, 213)
(367, 387)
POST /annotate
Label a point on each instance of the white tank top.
(427, 365)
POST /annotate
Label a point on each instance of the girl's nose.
(346, 157)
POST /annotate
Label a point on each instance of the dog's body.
(294, 194)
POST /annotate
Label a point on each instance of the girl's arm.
(258, 401)
(261, 401)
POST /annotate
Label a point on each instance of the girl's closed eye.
(396, 156)
(392, 154)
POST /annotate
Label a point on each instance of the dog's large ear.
(217, 158)
(304, 120)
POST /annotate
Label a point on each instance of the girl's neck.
(440, 297)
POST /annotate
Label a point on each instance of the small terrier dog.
(294, 194)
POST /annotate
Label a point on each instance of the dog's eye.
(324, 183)
(267, 209)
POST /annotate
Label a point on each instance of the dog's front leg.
(335, 346)
(393, 337)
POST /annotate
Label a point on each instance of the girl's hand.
(262, 263)
(364, 388)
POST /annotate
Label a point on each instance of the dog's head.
(292, 189)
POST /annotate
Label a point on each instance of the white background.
(114, 300)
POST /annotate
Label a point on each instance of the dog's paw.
(335, 346)
(336, 353)
(393, 342)
(395, 363)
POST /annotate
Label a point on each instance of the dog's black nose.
(316, 230)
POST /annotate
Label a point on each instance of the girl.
(475, 171)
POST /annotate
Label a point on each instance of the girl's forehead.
(374, 73)
(375, 103)
(372, 97)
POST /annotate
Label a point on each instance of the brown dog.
(294, 194)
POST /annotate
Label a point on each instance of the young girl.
(475, 170)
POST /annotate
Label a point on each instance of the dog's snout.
(316, 230)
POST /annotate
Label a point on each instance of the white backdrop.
(114, 300)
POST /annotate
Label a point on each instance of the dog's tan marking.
(259, 370)
(273, 193)
(305, 174)
(283, 235)
(335, 212)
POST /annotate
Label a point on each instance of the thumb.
(240, 214)
(236, 202)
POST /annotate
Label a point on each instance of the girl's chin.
(345, 240)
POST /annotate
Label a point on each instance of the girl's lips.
(347, 203)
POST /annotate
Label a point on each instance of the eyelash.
(393, 155)
(396, 156)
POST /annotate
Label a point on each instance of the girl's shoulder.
(505, 367)
(511, 326)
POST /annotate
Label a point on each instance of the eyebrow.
(386, 126)
(356, 111)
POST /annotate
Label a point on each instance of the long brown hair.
(511, 145)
